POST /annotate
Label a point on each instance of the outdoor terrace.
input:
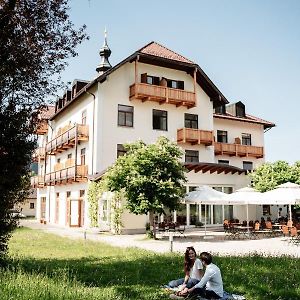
(38, 154)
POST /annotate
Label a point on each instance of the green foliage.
(269, 175)
(36, 38)
(45, 266)
(151, 176)
(94, 192)
(116, 211)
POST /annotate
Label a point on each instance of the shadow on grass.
(254, 276)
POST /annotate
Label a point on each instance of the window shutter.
(144, 78)
(156, 80)
(181, 85)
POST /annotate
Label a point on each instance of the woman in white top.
(193, 269)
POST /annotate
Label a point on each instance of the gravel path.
(213, 243)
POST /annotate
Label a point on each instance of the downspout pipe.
(93, 128)
(49, 193)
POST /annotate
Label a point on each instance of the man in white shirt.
(211, 284)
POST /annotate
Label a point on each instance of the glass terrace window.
(83, 117)
(246, 139)
(191, 121)
(222, 136)
(125, 115)
(191, 156)
(82, 156)
(160, 119)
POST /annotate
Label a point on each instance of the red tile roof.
(158, 50)
(47, 112)
(248, 118)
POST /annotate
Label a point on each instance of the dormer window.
(220, 109)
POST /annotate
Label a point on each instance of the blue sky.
(249, 49)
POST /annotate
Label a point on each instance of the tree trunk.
(152, 224)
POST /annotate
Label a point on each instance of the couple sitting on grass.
(196, 282)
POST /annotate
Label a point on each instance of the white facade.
(67, 203)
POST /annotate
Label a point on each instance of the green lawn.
(45, 266)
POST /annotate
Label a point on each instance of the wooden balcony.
(67, 138)
(162, 94)
(195, 136)
(37, 181)
(238, 150)
(38, 154)
(67, 175)
(42, 127)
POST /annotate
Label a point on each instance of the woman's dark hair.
(206, 257)
(188, 263)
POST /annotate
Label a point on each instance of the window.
(160, 119)
(246, 139)
(175, 84)
(69, 155)
(222, 136)
(191, 121)
(82, 156)
(240, 109)
(224, 162)
(83, 117)
(191, 156)
(120, 150)
(81, 193)
(220, 109)
(248, 165)
(145, 78)
(58, 160)
(68, 194)
(266, 210)
(125, 115)
(192, 188)
(31, 205)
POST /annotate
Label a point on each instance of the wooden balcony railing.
(67, 175)
(38, 154)
(67, 139)
(37, 181)
(42, 127)
(238, 150)
(195, 136)
(162, 94)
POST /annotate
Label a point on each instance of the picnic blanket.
(226, 296)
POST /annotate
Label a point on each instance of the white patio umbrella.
(245, 196)
(287, 193)
(204, 195)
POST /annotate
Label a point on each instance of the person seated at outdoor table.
(211, 284)
(193, 269)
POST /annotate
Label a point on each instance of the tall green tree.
(269, 175)
(36, 38)
(151, 177)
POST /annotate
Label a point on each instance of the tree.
(36, 38)
(269, 175)
(151, 177)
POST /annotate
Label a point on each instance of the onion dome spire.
(105, 53)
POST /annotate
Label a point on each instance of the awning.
(213, 167)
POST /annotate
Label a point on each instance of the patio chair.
(257, 230)
(285, 230)
(180, 229)
(294, 236)
(289, 223)
(171, 226)
(161, 227)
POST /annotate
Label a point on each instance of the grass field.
(45, 266)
